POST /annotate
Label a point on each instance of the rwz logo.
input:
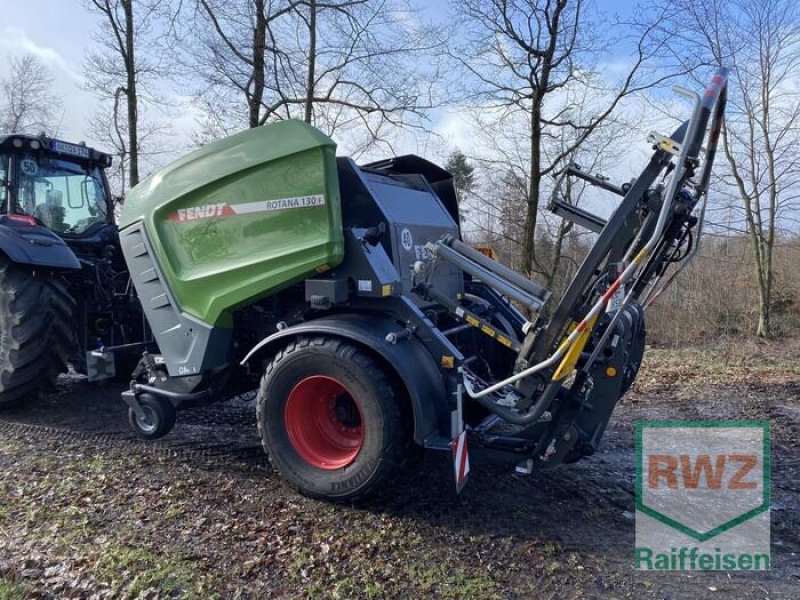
(702, 495)
(690, 471)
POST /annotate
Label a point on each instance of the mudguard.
(34, 245)
(408, 358)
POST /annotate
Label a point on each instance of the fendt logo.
(702, 495)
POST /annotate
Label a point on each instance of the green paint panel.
(242, 217)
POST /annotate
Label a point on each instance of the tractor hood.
(25, 241)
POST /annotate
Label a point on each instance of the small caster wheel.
(158, 418)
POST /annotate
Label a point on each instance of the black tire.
(159, 417)
(36, 332)
(386, 441)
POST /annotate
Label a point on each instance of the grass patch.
(439, 580)
(133, 570)
(11, 591)
(8, 447)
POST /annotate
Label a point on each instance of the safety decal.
(28, 167)
(460, 460)
(223, 209)
(406, 239)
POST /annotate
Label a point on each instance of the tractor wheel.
(36, 334)
(158, 419)
(331, 419)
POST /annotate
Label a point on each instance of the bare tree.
(333, 63)
(760, 43)
(28, 104)
(516, 56)
(120, 71)
(234, 38)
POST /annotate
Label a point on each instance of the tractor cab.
(56, 184)
(59, 243)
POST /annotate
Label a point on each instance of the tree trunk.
(256, 98)
(534, 176)
(131, 94)
(540, 84)
(312, 59)
(764, 329)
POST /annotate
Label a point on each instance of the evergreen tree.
(463, 174)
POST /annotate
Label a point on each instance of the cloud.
(76, 103)
(15, 41)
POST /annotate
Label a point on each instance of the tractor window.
(66, 196)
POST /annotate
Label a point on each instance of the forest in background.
(529, 85)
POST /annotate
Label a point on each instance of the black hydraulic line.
(715, 89)
(124, 347)
(713, 136)
(533, 415)
(497, 268)
(456, 329)
(491, 279)
(471, 319)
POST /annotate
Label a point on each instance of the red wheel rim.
(324, 423)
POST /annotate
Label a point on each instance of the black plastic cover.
(34, 245)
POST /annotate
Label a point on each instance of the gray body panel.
(368, 265)
(188, 345)
(411, 215)
(416, 217)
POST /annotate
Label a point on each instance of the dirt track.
(88, 511)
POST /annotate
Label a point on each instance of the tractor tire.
(332, 420)
(36, 331)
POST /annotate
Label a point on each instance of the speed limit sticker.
(28, 167)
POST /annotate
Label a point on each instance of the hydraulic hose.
(703, 107)
(702, 188)
(533, 415)
(700, 107)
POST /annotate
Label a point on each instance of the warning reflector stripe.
(460, 459)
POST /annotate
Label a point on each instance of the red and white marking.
(460, 459)
(223, 209)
